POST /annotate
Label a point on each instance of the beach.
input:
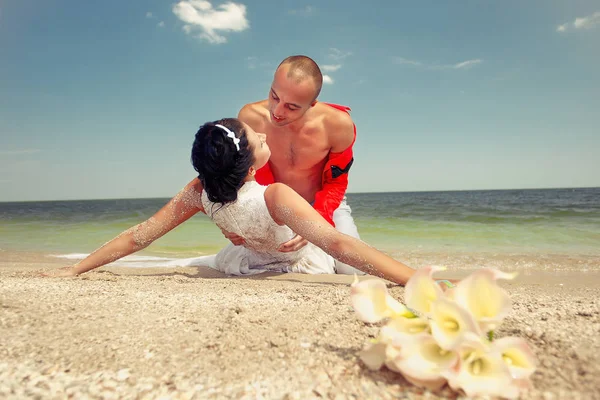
(151, 326)
(137, 141)
(193, 333)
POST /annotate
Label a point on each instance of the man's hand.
(237, 240)
(294, 244)
(63, 272)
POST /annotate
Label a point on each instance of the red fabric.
(264, 176)
(333, 189)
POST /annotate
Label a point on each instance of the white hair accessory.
(231, 135)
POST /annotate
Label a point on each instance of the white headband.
(231, 135)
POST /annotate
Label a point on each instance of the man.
(311, 145)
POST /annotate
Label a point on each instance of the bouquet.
(441, 338)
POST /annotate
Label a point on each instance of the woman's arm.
(179, 209)
(288, 208)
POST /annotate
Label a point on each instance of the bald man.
(311, 145)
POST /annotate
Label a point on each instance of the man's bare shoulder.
(254, 112)
(339, 126)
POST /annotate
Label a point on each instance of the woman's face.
(258, 143)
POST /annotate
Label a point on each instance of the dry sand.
(193, 333)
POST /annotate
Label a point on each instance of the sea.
(511, 225)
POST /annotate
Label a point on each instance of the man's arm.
(342, 135)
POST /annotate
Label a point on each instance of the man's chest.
(297, 150)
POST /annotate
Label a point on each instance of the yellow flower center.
(450, 325)
(476, 367)
(515, 358)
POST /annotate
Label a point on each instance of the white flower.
(481, 371)
(372, 302)
(400, 327)
(421, 290)
(445, 342)
(423, 361)
(450, 323)
(374, 355)
(397, 333)
(517, 355)
(480, 294)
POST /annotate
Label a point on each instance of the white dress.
(249, 217)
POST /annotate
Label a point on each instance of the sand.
(192, 333)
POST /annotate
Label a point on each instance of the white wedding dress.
(249, 217)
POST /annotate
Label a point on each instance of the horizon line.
(374, 192)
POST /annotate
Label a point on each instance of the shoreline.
(572, 270)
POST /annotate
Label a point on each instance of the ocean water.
(531, 222)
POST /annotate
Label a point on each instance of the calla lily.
(481, 371)
(439, 336)
(397, 328)
(480, 294)
(421, 290)
(392, 352)
(399, 333)
(423, 361)
(517, 355)
(374, 355)
(372, 302)
(380, 352)
(395, 334)
(450, 323)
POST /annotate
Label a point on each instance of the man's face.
(289, 99)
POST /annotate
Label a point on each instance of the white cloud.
(461, 65)
(338, 54)
(161, 24)
(587, 22)
(199, 15)
(306, 11)
(149, 14)
(467, 64)
(331, 68)
(562, 28)
(400, 60)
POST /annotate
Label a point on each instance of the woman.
(226, 154)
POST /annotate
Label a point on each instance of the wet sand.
(195, 333)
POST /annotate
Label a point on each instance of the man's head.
(295, 88)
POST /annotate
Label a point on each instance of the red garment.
(334, 182)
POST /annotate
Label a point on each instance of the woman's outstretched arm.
(179, 209)
(288, 208)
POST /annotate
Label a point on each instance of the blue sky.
(102, 100)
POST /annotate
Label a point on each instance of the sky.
(102, 99)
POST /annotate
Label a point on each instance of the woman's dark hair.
(221, 167)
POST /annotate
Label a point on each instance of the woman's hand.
(63, 272)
